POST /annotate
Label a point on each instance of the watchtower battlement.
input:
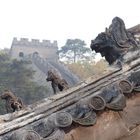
(24, 47)
(34, 42)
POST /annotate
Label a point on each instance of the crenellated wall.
(34, 42)
(44, 48)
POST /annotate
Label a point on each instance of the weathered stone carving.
(63, 119)
(110, 92)
(57, 83)
(118, 103)
(113, 97)
(123, 38)
(126, 86)
(89, 119)
(12, 102)
(50, 125)
(80, 110)
(44, 127)
(104, 45)
(114, 42)
(83, 114)
(97, 102)
(25, 135)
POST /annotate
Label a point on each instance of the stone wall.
(44, 65)
(44, 48)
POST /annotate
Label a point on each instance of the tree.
(87, 69)
(74, 50)
(17, 76)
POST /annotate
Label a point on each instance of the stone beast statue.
(57, 83)
(12, 102)
(114, 42)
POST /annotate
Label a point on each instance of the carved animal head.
(50, 76)
(114, 42)
(101, 42)
(7, 95)
(12, 102)
(106, 46)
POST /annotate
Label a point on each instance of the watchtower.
(23, 47)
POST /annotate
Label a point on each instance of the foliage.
(74, 50)
(17, 77)
(86, 69)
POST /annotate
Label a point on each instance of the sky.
(62, 19)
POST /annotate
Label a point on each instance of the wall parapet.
(34, 42)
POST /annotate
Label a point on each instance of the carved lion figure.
(13, 103)
(114, 42)
(57, 83)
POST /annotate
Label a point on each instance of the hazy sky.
(62, 19)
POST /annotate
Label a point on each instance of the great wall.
(44, 48)
(43, 55)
